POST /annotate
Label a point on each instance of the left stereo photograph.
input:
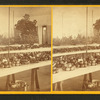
(25, 49)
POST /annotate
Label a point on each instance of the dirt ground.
(44, 74)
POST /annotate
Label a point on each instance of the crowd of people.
(71, 62)
(23, 58)
(72, 49)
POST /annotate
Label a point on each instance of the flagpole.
(86, 29)
(13, 22)
(8, 34)
(92, 22)
(62, 24)
(92, 16)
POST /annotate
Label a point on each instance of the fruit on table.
(24, 58)
(71, 62)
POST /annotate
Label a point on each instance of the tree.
(96, 38)
(97, 25)
(28, 30)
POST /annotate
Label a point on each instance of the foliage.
(97, 25)
(5, 40)
(26, 27)
(97, 31)
(28, 31)
(72, 41)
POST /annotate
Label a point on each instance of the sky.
(19, 12)
(69, 21)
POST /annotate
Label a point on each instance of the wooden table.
(27, 50)
(76, 52)
(73, 46)
(33, 67)
(59, 77)
(64, 75)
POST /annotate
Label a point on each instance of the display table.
(73, 46)
(33, 67)
(59, 77)
(27, 50)
(76, 52)
(64, 75)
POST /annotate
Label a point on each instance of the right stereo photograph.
(76, 48)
